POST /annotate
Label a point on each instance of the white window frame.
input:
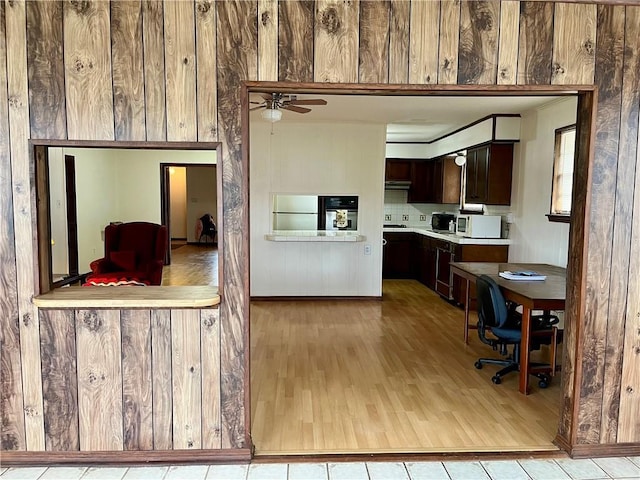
(562, 180)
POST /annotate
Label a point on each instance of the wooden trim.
(558, 218)
(130, 145)
(146, 457)
(293, 298)
(606, 450)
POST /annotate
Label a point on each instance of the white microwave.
(479, 226)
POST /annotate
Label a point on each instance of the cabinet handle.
(384, 242)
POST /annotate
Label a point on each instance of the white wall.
(535, 239)
(316, 159)
(178, 202)
(201, 197)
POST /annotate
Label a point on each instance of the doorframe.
(578, 234)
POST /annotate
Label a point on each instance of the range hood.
(397, 185)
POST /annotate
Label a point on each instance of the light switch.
(405, 218)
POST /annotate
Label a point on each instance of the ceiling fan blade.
(311, 101)
(293, 108)
(257, 103)
(266, 96)
(257, 108)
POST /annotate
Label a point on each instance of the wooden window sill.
(559, 218)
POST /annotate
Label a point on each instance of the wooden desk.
(549, 294)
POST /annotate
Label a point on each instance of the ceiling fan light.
(271, 115)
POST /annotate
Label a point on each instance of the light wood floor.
(384, 376)
(192, 265)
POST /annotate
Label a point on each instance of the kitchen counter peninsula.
(448, 237)
(314, 236)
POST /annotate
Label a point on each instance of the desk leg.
(467, 299)
(525, 343)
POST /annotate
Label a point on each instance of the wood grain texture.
(210, 348)
(335, 55)
(128, 70)
(423, 42)
(295, 41)
(449, 38)
(627, 239)
(508, 43)
(99, 367)
(574, 44)
(46, 70)
(23, 221)
(478, 48)
(162, 380)
(137, 398)
(154, 80)
(186, 371)
(206, 70)
(87, 62)
(399, 41)
(535, 47)
(59, 379)
(43, 207)
(374, 42)
(268, 40)
(180, 64)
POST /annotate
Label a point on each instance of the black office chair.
(500, 318)
(208, 228)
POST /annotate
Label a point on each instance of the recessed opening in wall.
(113, 212)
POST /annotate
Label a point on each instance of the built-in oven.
(338, 212)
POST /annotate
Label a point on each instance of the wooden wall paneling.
(628, 206)
(508, 43)
(210, 348)
(399, 41)
(128, 70)
(268, 40)
(187, 381)
(335, 56)
(162, 380)
(423, 42)
(374, 42)
(99, 353)
(295, 41)
(449, 38)
(206, 71)
(535, 43)
(234, 65)
(87, 62)
(180, 65)
(46, 70)
(137, 398)
(43, 221)
(154, 74)
(574, 44)
(59, 379)
(608, 78)
(12, 434)
(478, 47)
(24, 220)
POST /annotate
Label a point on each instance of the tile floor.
(561, 469)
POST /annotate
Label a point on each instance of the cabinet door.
(397, 260)
(500, 170)
(477, 175)
(397, 169)
(450, 181)
(421, 190)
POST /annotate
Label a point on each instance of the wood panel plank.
(46, 70)
(628, 206)
(128, 70)
(162, 380)
(508, 43)
(295, 41)
(186, 373)
(535, 45)
(399, 41)
(423, 42)
(12, 434)
(574, 44)
(137, 398)
(335, 56)
(374, 42)
(87, 62)
(478, 47)
(210, 348)
(24, 221)
(236, 64)
(154, 74)
(180, 64)
(268, 40)
(59, 379)
(449, 38)
(99, 352)
(206, 71)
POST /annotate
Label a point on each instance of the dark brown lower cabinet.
(397, 257)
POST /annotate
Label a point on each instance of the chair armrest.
(101, 265)
(542, 322)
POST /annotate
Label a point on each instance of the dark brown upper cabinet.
(489, 170)
(397, 169)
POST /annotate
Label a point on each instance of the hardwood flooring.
(192, 265)
(372, 376)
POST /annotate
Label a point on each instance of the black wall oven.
(338, 212)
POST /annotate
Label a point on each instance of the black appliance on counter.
(332, 210)
(440, 221)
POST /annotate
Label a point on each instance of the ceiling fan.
(273, 103)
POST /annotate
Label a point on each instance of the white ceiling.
(409, 118)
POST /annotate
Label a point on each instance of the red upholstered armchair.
(133, 254)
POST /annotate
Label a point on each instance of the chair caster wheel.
(544, 382)
(478, 365)
(495, 379)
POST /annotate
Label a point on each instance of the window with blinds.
(564, 152)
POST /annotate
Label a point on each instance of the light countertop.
(449, 237)
(314, 236)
